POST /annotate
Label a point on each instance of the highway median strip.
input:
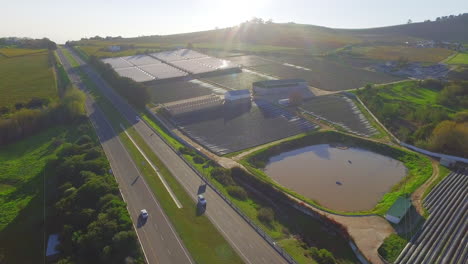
(171, 193)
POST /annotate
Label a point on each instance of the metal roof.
(400, 207)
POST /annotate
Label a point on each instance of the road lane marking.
(174, 198)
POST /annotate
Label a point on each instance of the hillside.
(257, 36)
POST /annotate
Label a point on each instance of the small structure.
(114, 48)
(52, 244)
(279, 86)
(398, 210)
(447, 162)
(284, 102)
(231, 96)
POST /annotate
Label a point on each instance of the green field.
(25, 77)
(460, 58)
(14, 52)
(393, 53)
(22, 172)
(425, 114)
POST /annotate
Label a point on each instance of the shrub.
(223, 176)
(266, 215)
(83, 140)
(198, 159)
(237, 192)
(322, 256)
(392, 247)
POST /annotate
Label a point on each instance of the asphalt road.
(157, 236)
(242, 237)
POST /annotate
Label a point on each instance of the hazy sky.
(62, 20)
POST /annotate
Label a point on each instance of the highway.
(242, 237)
(157, 236)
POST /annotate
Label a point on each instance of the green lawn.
(199, 235)
(460, 58)
(69, 57)
(25, 77)
(22, 173)
(406, 92)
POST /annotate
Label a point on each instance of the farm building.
(237, 95)
(279, 86)
(114, 48)
(398, 210)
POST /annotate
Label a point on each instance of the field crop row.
(225, 129)
(324, 74)
(339, 110)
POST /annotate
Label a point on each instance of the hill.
(259, 36)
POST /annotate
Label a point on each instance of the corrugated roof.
(400, 207)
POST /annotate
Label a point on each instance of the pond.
(343, 179)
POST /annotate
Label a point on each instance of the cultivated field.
(341, 111)
(460, 58)
(228, 129)
(393, 53)
(25, 77)
(323, 74)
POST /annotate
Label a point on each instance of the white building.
(114, 48)
(279, 86)
(230, 96)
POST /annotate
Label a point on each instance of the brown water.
(350, 179)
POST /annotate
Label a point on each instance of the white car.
(144, 214)
(201, 199)
(137, 118)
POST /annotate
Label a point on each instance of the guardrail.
(262, 233)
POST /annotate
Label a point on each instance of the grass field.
(14, 52)
(460, 58)
(199, 235)
(25, 77)
(386, 53)
(22, 170)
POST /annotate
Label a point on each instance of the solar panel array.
(143, 68)
(167, 64)
(193, 62)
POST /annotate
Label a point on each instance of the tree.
(266, 215)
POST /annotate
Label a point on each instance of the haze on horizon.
(65, 20)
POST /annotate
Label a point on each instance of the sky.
(62, 20)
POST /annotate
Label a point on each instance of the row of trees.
(28, 43)
(26, 121)
(95, 224)
(136, 93)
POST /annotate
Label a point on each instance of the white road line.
(115, 169)
(174, 198)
